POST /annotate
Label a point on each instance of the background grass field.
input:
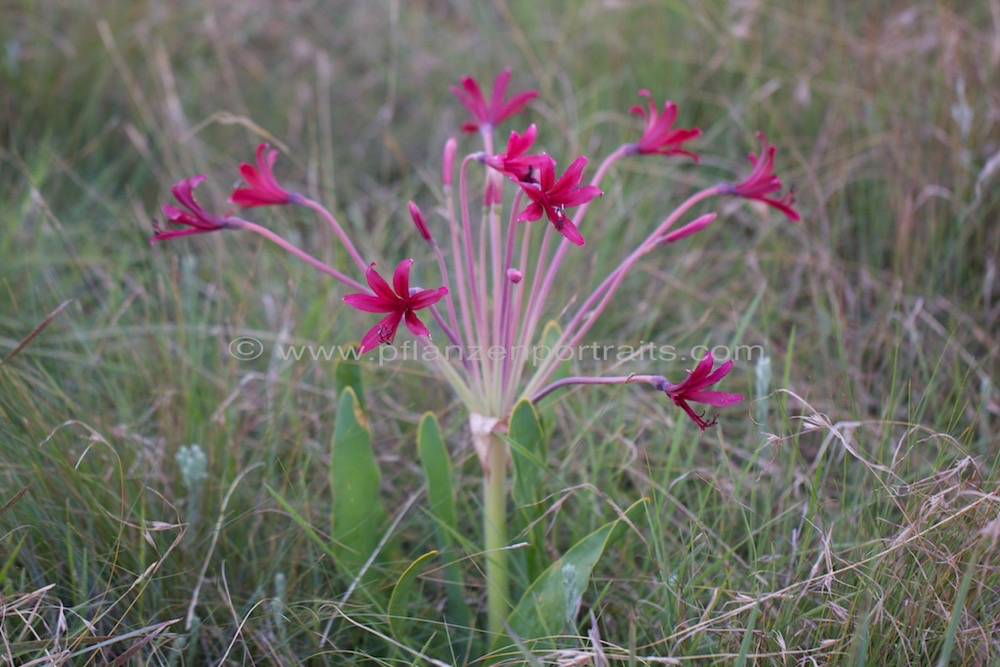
(848, 515)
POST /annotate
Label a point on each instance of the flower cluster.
(495, 283)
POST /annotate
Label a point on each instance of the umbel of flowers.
(495, 282)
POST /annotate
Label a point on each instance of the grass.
(859, 525)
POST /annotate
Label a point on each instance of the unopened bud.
(514, 276)
(448, 160)
(418, 220)
(493, 193)
(690, 228)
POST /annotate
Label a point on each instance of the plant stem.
(239, 223)
(495, 536)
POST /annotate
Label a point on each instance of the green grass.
(862, 531)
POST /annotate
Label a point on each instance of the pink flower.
(551, 197)
(693, 389)
(400, 304)
(264, 189)
(660, 137)
(514, 163)
(198, 219)
(762, 182)
(489, 116)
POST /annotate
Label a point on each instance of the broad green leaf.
(402, 594)
(436, 463)
(348, 374)
(357, 514)
(550, 604)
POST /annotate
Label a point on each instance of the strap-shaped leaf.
(357, 514)
(436, 463)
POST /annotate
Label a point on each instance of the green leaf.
(741, 659)
(550, 604)
(347, 374)
(437, 470)
(529, 455)
(402, 594)
(958, 607)
(357, 513)
(441, 500)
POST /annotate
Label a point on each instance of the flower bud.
(448, 160)
(514, 276)
(418, 220)
(690, 228)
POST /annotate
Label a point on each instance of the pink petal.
(401, 278)
(370, 304)
(383, 332)
(378, 284)
(370, 340)
(719, 373)
(581, 196)
(516, 104)
(183, 191)
(415, 326)
(695, 378)
(499, 91)
(532, 212)
(251, 176)
(547, 172)
(164, 235)
(572, 174)
(427, 297)
(249, 198)
(569, 230)
(713, 397)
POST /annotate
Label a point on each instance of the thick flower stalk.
(497, 268)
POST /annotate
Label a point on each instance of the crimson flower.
(660, 137)
(488, 116)
(264, 189)
(400, 304)
(195, 217)
(762, 182)
(551, 197)
(693, 389)
(514, 163)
